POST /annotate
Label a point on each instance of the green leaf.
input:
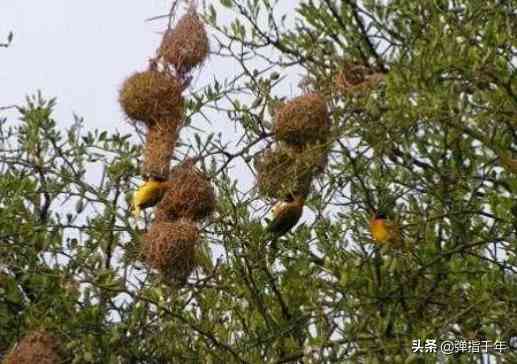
(227, 3)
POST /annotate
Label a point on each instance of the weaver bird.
(147, 195)
(286, 214)
(383, 230)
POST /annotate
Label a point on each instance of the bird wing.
(285, 220)
(149, 194)
(394, 232)
(279, 206)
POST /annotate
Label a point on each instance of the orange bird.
(383, 230)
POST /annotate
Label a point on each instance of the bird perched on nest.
(286, 214)
(383, 230)
(148, 194)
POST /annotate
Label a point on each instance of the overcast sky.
(77, 51)
(81, 51)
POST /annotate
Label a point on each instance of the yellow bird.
(147, 195)
(383, 230)
(286, 214)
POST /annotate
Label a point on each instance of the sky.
(77, 51)
(81, 51)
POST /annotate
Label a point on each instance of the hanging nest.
(356, 78)
(189, 194)
(152, 96)
(170, 248)
(287, 171)
(37, 347)
(161, 215)
(302, 120)
(186, 46)
(159, 147)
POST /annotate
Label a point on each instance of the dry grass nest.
(170, 248)
(304, 119)
(356, 78)
(189, 194)
(286, 171)
(185, 46)
(37, 347)
(159, 149)
(152, 96)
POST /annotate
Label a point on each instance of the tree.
(423, 103)
(9, 41)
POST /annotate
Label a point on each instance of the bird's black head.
(380, 215)
(154, 178)
(289, 198)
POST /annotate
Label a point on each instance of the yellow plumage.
(147, 195)
(383, 231)
(379, 231)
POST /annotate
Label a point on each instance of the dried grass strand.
(186, 45)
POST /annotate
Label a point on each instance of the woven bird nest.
(152, 96)
(189, 194)
(356, 79)
(287, 171)
(304, 119)
(170, 248)
(37, 347)
(186, 46)
(159, 147)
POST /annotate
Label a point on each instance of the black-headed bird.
(148, 195)
(383, 230)
(286, 214)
